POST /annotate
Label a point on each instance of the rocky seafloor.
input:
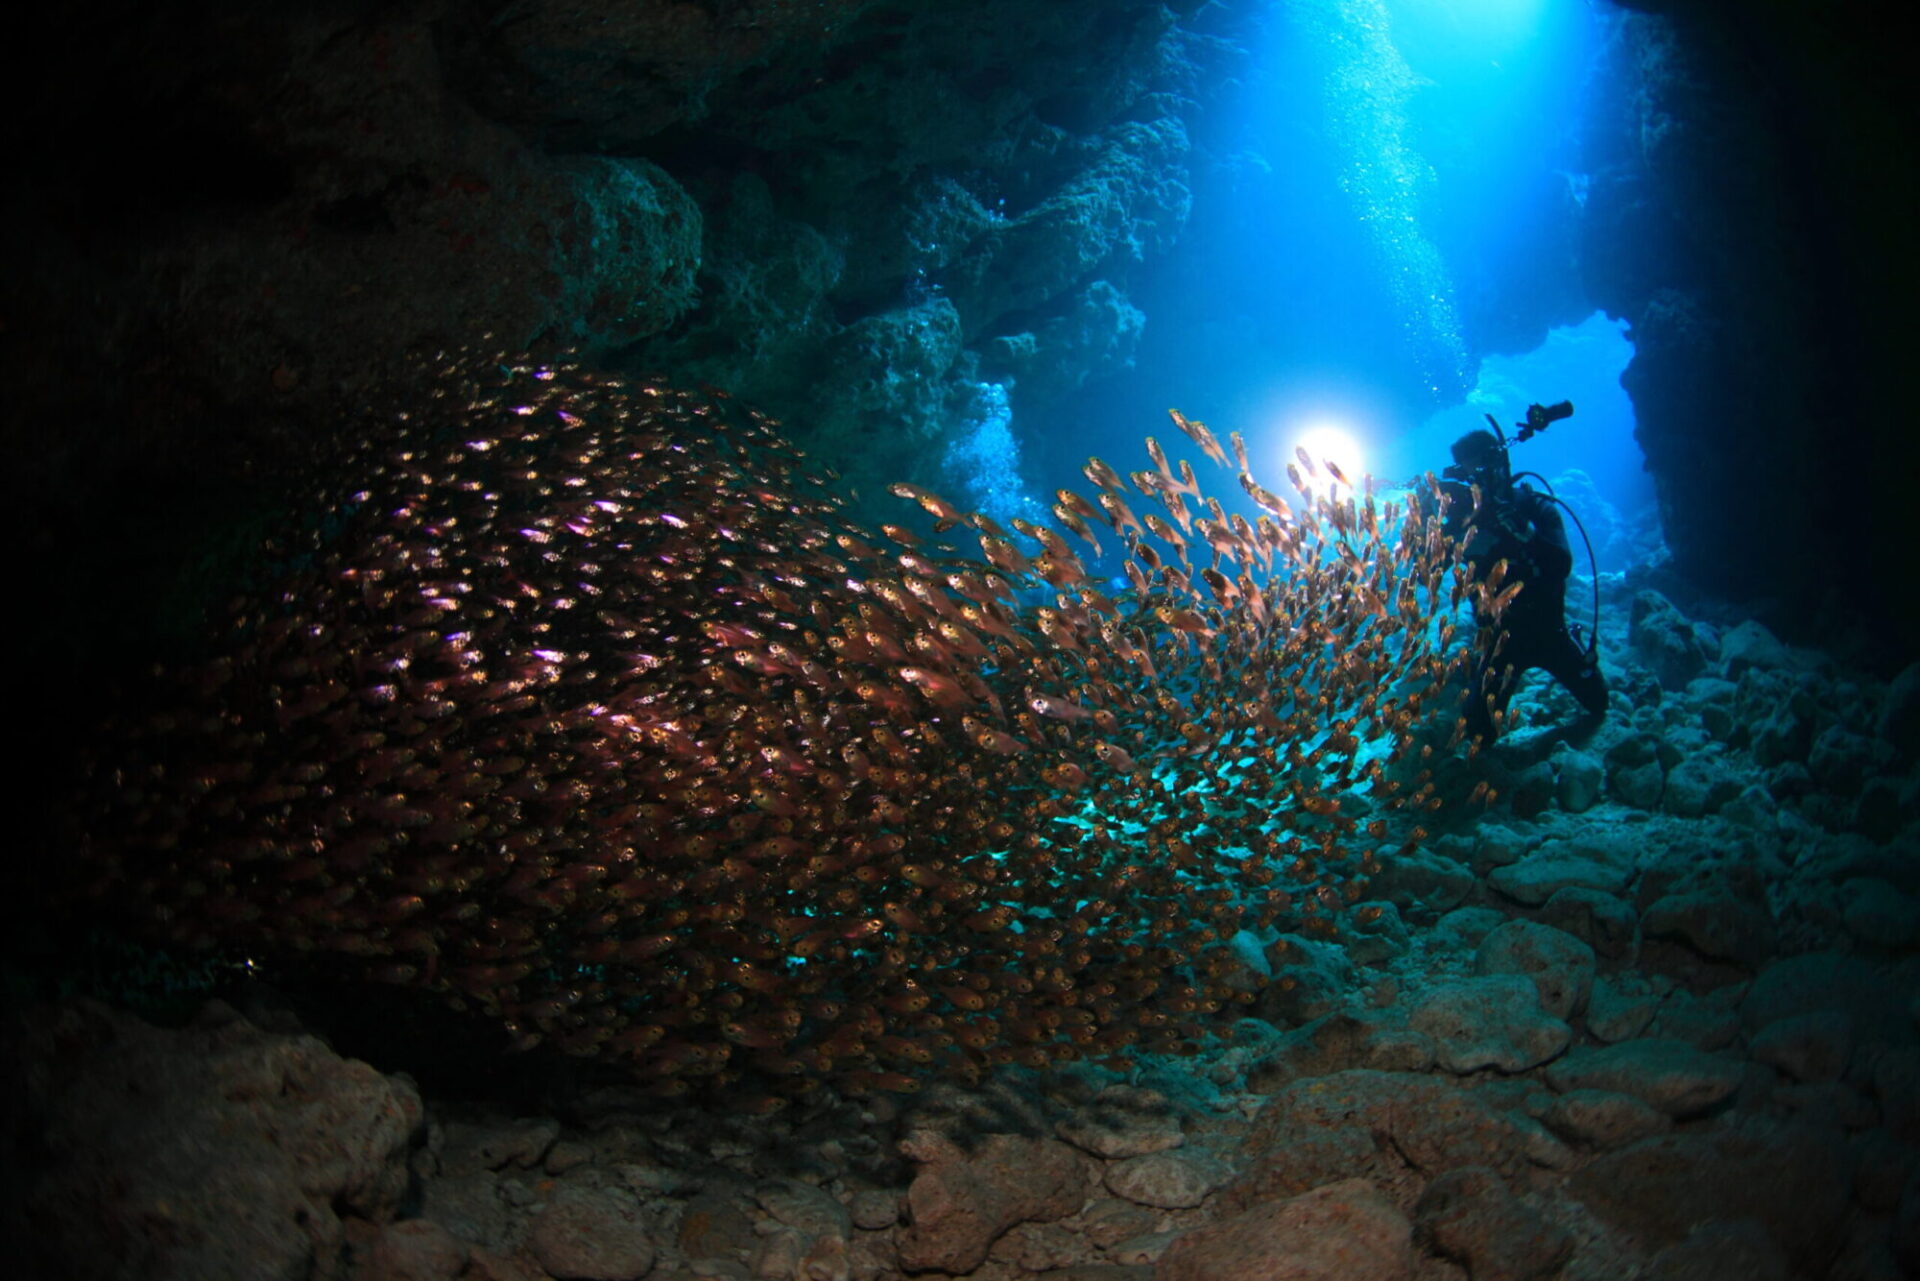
(1652, 1014)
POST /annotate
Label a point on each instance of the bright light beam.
(1326, 442)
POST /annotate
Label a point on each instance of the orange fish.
(1119, 515)
(1177, 508)
(941, 690)
(1073, 502)
(1183, 620)
(935, 505)
(1104, 476)
(1059, 709)
(1165, 533)
(1072, 520)
(1170, 483)
(1002, 555)
(1062, 571)
(1198, 433)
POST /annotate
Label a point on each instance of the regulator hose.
(1593, 562)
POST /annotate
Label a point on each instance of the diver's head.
(1478, 459)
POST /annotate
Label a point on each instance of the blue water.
(1376, 251)
(1581, 363)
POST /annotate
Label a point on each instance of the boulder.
(1721, 1251)
(1905, 1238)
(1883, 1167)
(1841, 760)
(1531, 790)
(1638, 787)
(1166, 1180)
(1345, 1231)
(810, 1211)
(413, 1250)
(1671, 1076)
(1336, 1043)
(1602, 921)
(719, 1222)
(1311, 979)
(592, 1234)
(1661, 637)
(1560, 965)
(1122, 1121)
(1877, 913)
(1794, 1180)
(1471, 1215)
(1375, 933)
(1604, 1119)
(1784, 734)
(1712, 700)
(1496, 845)
(1462, 929)
(1552, 867)
(1495, 1021)
(1375, 1125)
(213, 1151)
(1579, 779)
(1815, 1046)
(1422, 883)
(1899, 720)
(1754, 807)
(1820, 981)
(1621, 1007)
(1700, 784)
(959, 1204)
(1883, 807)
(1749, 645)
(471, 1145)
(1708, 1021)
(1896, 1082)
(1713, 923)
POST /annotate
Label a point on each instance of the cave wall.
(967, 196)
(233, 226)
(846, 211)
(1749, 215)
(230, 225)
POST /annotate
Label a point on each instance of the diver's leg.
(1567, 663)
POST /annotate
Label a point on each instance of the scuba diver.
(1515, 545)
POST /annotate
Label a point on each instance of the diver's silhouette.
(1525, 626)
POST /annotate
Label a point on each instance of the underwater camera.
(1486, 452)
(1541, 417)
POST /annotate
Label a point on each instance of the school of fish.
(588, 706)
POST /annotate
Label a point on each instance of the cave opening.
(1386, 243)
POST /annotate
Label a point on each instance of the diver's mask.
(1490, 474)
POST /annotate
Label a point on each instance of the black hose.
(1593, 569)
(1593, 562)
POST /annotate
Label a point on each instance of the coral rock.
(1669, 1075)
(1470, 1214)
(1344, 1231)
(1494, 1021)
(216, 1151)
(592, 1235)
(959, 1205)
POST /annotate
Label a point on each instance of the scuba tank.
(1538, 419)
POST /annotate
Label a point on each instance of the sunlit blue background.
(1377, 246)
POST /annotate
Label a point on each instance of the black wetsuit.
(1524, 529)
